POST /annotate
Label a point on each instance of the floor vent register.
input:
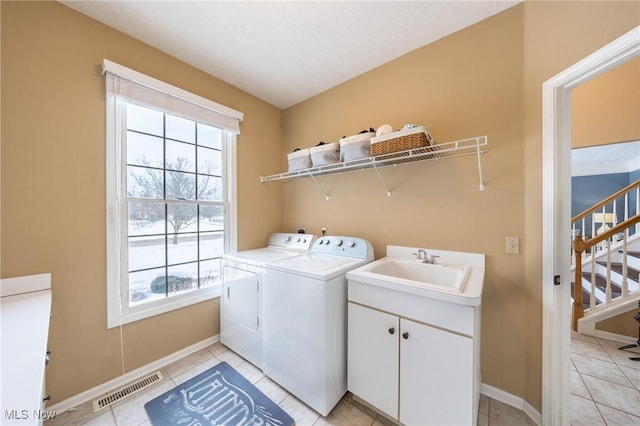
(125, 391)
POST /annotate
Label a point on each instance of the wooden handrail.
(579, 246)
(606, 201)
(611, 232)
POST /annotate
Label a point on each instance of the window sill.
(163, 306)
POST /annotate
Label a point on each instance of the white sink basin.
(458, 277)
(450, 278)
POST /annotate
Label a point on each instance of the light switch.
(513, 245)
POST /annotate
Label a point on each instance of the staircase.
(607, 262)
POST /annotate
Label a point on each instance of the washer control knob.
(288, 238)
(339, 243)
(304, 240)
(352, 243)
(298, 240)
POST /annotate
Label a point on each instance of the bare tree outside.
(180, 184)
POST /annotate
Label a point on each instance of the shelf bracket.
(325, 193)
(382, 180)
(478, 153)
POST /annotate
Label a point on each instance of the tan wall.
(53, 184)
(607, 109)
(484, 80)
(623, 324)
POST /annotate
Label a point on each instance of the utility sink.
(457, 277)
(439, 277)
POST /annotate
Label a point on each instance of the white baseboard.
(120, 381)
(512, 401)
(615, 337)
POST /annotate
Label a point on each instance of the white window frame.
(194, 107)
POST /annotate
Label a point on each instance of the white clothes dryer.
(305, 319)
(241, 299)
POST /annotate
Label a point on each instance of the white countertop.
(25, 309)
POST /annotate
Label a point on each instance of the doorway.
(556, 142)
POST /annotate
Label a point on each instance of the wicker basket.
(400, 141)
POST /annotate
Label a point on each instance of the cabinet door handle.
(392, 330)
(405, 335)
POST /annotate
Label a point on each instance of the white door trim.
(556, 217)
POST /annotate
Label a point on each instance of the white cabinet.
(372, 365)
(436, 370)
(412, 367)
(25, 309)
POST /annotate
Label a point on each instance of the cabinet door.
(372, 366)
(436, 376)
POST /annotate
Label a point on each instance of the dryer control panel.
(291, 241)
(343, 246)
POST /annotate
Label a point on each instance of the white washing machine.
(241, 299)
(305, 320)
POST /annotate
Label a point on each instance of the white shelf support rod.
(325, 193)
(382, 180)
(478, 152)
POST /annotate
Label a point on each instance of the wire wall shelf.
(472, 146)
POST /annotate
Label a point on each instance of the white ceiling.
(285, 52)
(621, 157)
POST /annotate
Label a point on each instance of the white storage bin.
(356, 147)
(298, 160)
(329, 153)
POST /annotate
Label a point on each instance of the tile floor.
(130, 412)
(605, 384)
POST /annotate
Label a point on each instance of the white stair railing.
(610, 246)
(606, 214)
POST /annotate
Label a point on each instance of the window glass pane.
(144, 183)
(211, 218)
(146, 218)
(209, 136)
(182, 278)
(181, 129)
(144, 150)
(182, 218)
(209, 272)
(181, 156)
(181, 186)
(146, 252)
(182, 248)
(209, 161)
(209, 188)
(147, 286)
(211, 245)
(145, 120)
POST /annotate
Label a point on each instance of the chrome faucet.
(423, 257)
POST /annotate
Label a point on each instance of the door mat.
(219, 396)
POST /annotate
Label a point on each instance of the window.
(170, 195)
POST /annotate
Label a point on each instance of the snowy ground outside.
(148, 254)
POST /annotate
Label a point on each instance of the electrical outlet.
(513, 245)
